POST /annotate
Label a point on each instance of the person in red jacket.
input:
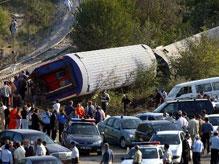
(79, 111)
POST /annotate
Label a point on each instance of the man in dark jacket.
(186, 150)
(35, 120)
(98, 115)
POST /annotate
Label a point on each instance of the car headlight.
(97, 142)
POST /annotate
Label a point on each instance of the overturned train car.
(82, 73)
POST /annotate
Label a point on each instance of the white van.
(191, 89)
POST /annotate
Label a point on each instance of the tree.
(4, 22)
(199, 60)
(102, 24)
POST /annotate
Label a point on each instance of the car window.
(143, 117)
(215, 85)
(110, 122)
(130, 123)
(184, 90)
(17, 137)
(203, 87)
(116, 124)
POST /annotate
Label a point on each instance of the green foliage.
(4, 22)
(200, 60)
(102, 24)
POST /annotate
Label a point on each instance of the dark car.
(119, 129)
(40, 160)
(85, 134)
(54, 149)
(146, 129)
(190, 106)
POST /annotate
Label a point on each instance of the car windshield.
(165, 126)
(147, 153)
(158, 109)
(214, 121)
(171, 139)
(130, 123)
(83, 129)
(33, 138)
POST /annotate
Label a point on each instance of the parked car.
(191, 89)
(85, 134)
(40, 160)
(54, 149)
(146, 129)
(150, 154)
(190, 106)
(214, 120)
(174, 139)
(119, 129)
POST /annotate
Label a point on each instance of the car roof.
(23, 131)
(169, 132)
(155, 122)
(185, 100)
(124, 117)
(213, 115)
(149, 114)
(47, 157)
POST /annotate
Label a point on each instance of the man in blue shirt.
(214, 148)
(207, 128)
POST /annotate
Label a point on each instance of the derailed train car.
(82, 73)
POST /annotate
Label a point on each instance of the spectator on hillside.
(105, 99)
(79, 111)
(5, 92)
(13, 119)
(2, 114)
(125, 101)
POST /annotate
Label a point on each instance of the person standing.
(197, 149)
(193, 127)
(105, 98)
(35, 120)
(125, 101)
(75, 154)
(79, 111)
(19, 152)
(46, 122)
(98, 115)
(18, 119)
(207, 128)
(54, 124)
(6, 92)
(40, 148)
(186, 150)
(167, 157)
(69, 108)
(56, 106)
(138, 155)
(13, 119)
(2, 114)
(24, 122)
(181, 121)
(28, 148)
(62, 119)
(214, 141)
(107, 157)
(90, 110)
(6, 155)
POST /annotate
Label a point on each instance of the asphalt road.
(93, 158)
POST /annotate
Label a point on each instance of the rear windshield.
(83, 129)
(170, 139)
(147, 153)
(165, 126)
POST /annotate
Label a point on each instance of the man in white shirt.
(56, 106)
(19, 153)
(193, 127)
(75, 154)
(6, 155)
(181, 122)
(40, 148)
(197, 149)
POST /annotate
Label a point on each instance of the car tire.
(122, 143)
